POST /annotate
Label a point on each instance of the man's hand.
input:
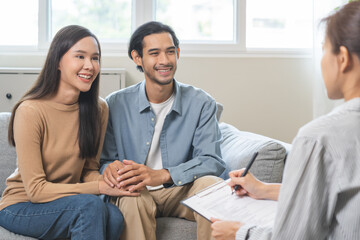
(111, 173)
(104, 188)
(141, 176)
(224, 230)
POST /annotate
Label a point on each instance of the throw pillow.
(8, 153)
(219, 110)
(238, 147)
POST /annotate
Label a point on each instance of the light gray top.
(320, 195)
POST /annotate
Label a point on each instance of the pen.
(246, 170)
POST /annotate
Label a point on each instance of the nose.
(163, 58)
(88, 64)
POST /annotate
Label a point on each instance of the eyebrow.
(157, 49)
(82, 51)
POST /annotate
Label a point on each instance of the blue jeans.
(82, 216)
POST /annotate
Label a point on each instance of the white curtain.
(321, 103)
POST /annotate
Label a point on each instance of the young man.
(166, 135)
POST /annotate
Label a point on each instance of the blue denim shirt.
(189, 141)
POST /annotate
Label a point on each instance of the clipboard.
(217, 201)
(208, 190)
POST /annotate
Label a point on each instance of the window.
(203, 26)
(287, 25)
(23, 30)
(198, 21)
(110, 20)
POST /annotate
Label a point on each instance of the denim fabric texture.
(82, 216)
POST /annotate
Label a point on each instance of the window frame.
(143, 11)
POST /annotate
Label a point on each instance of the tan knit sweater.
(49, 167)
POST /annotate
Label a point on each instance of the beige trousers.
(140, 212)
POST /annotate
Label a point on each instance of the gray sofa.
(237, 148)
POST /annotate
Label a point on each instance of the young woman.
(320, 195)
(58, 129)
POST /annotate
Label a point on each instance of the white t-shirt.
(154, 159)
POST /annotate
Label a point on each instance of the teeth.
(84, 76)
(164, 70)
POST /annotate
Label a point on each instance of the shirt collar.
(350, 105)
(144, 102)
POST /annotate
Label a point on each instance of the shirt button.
(195, 177)
(152, 119)
(179, 182)
(147, 143)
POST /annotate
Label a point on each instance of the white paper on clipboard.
(217, 201)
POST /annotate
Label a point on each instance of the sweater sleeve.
(92, 166)
(28, 135)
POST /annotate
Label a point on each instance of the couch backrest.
(7, 152)
(238, 147)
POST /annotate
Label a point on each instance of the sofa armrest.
(8, 153)
(237, 148)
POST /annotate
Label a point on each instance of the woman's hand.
(251, 186)
(104, 188)
(224, 230)
(111, 173)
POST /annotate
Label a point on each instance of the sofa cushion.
(219, 110)
(8, 153)
(175, 229)
(5, 234)
(238, 147)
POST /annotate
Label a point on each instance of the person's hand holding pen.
(250, 163)
(248, 185)
(244, 183)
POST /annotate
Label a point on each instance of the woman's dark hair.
(47, 85)
(136, 40)
(343, 28)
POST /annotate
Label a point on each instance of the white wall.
(269, 96)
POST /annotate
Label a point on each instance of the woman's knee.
(115, 221)
(115, 214)
(92, 203)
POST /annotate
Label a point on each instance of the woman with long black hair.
(58, 129)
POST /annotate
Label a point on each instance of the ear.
(136, 58)
(344, 59)
(178, 52)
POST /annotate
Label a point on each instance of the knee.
(128, 203)
(115, 221)
(143, 204)
(115, 214)
(93, 204)
(205, 181)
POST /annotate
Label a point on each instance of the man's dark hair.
(136, 41)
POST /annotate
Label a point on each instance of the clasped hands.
(133, 177)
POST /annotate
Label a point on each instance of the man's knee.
(206, 181)
(142, 203)
(124, 203)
